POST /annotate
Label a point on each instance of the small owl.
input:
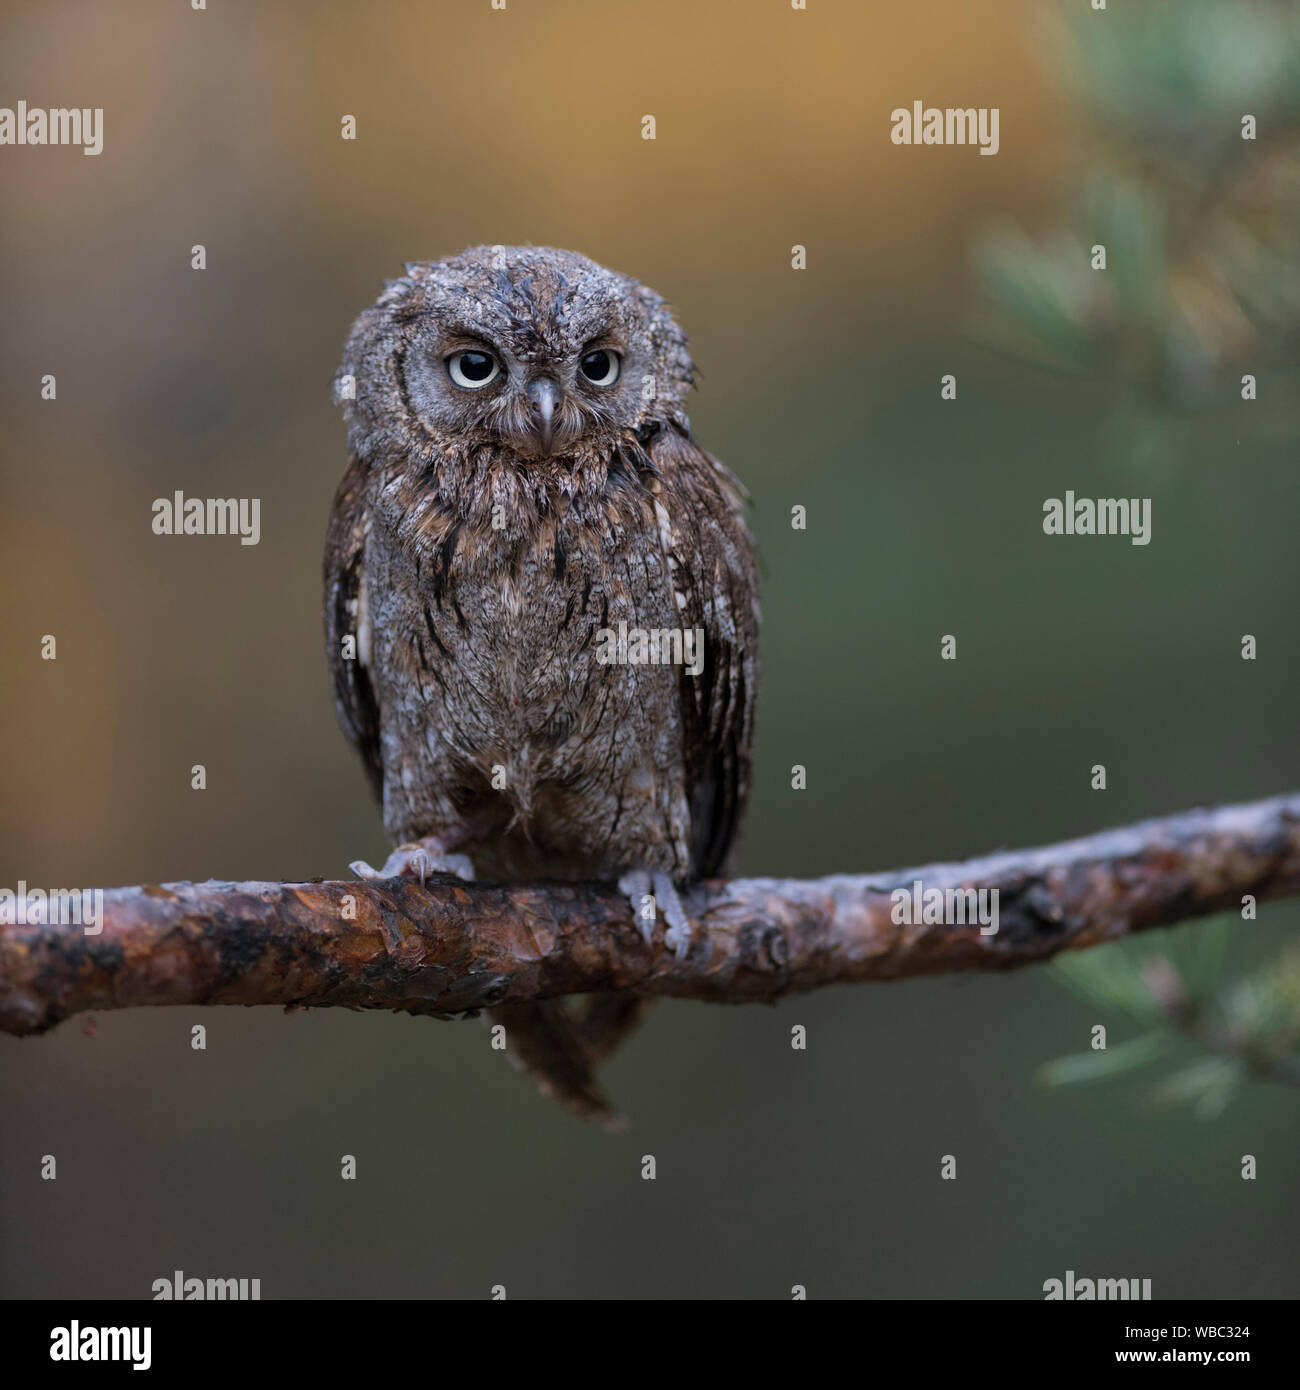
(541, 603)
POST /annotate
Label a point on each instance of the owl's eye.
(600, 367)
(472, 370)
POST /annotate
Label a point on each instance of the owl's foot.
(419, 859)
(650, 892)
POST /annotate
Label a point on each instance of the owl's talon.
(678, 935)
(418, 860)
(636, 887)
(653, 893)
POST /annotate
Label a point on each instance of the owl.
(541, 604)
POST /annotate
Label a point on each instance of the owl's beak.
(544, 399)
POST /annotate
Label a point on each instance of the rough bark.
(449, 947)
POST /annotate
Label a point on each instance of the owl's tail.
(560, 1049)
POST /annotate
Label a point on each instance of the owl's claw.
(417, 860)
(635, 885)
(678, 936)
(648, 893)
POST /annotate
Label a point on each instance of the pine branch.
(449, 947)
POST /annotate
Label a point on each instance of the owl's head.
(538, 351)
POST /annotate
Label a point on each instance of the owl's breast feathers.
(476, 614)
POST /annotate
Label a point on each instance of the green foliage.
(1201, 228)
(1200, 288)
(1097, 1066)
(1249, 1026)
(1170, 72)
(1207, 1085)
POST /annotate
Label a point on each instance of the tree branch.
(449, 946)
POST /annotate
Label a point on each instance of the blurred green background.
(820, 388)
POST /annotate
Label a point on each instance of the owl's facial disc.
(557, 390)
(513, 355)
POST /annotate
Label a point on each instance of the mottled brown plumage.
(508, 505)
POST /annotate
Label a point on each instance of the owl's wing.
(714, 571)
(354, 695)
